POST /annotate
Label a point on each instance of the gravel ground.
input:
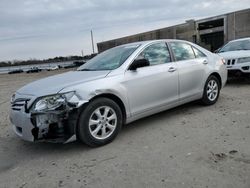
(189, 146)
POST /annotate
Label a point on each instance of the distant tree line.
(50, 60)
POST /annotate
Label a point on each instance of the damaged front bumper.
(56, 126)
(22, 125)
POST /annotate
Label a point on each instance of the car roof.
(151, 41)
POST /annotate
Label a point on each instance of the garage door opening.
(212, 33)
(213, 40)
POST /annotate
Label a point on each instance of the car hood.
(235, 54)
(54, 84)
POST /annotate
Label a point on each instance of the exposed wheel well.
(218, 77)
(115, 99)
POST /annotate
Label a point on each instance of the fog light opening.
(245, 68)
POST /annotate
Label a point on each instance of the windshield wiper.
(94, 70)
(86, 70)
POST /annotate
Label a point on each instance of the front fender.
(106, 86)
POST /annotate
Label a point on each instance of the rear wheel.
(211, 91)
(100, 122)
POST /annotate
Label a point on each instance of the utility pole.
(92, 42)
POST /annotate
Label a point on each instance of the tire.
(211, 91)
(247, 77)
(94, 128)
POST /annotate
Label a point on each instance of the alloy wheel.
(102, 122)
(212, 90)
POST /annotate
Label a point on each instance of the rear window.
(182, 51)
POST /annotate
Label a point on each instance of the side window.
(156, 54)
(182, 51)
(198, 53)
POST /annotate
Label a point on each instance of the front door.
(153, 86)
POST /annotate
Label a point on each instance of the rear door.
(191, 65)
(153, 86)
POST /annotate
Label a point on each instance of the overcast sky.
(49, 28)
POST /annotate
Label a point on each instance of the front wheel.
(100, 122)
(211, 91)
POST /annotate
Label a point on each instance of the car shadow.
(44, 147)
(165, 115)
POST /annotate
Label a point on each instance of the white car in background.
(237, 56)
(53, 68)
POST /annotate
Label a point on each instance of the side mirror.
(138, 63)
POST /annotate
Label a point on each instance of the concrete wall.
(151, 35)
(237, 25)
(184, 31)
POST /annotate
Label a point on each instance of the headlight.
(244, 60)
(54, 102)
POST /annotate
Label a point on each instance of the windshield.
(237, 45)
(110, 59)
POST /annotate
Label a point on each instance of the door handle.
(205, 62)
(172, 69)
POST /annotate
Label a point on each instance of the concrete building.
(210, 33)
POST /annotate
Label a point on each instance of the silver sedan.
(116, 87)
